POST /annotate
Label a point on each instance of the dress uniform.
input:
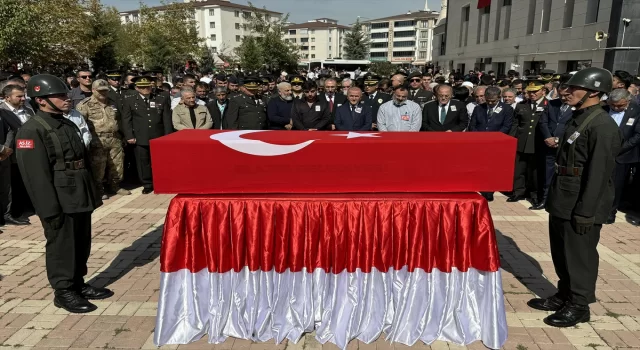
(145, 116)
(296, 87)
(580, 198)
(115, 93)
(526, 116)
(54, 166)
(107, 155)
(248, 110)
(372, 98)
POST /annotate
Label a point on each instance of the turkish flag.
(483, 3)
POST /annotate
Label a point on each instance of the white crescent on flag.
(233, 140)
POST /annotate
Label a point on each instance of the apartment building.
(538, 34)
(318, 39)
(402, 39)
(221, 22)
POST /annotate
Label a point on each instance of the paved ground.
(126, 246)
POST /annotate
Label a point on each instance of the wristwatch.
(557, 140)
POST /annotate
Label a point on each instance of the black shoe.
(95, 293)
(539, 206)
(514, 199)
(633, 221)
(73, 302)
(489, 197)
(147, 190)
(16, 221)
(553, 303)
(569, 316)
(610, 220)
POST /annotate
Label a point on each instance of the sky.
(345, 11)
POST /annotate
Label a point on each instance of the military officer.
(416, 93)
(113, 78)
(54, 166)
(296, 87)
(145, 116)
(247, 111)
(233, 86)
(526, 116)
(372, 98)
(107, 155)
(580, 198)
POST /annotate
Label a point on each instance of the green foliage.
(383, 68)
(266, 45)
(356, 43)
(104, 31)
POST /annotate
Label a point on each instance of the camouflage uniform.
(106, 146)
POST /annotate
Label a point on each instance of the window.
(306, 55)
(212, 24)
(506, 2)
(313, 40)
(211, 12)
(293, 40)
(567, 20)
(384, 35)
(464, 26)
(213, 37)
(237, 25)
(380, 25)
(379, 45)
(424, 24)
(329, 39)
(424, 34)
(244, 26)
(403, 53)
(422, 55)
(378, 54)
(532, 16)
(546, 16)
(404, 24)
(496, 34)
(238, 38)
(507, 18)
(404, 44)
(304, 31)
(313, 56)
(329, 55)
(304, 40)
(214, 49)
(292, 32)
(329, 48)
(304, 48)
(313, 48)
(486, 13)
(424, 44)
(312, 31)
(246, 14)
(592, 11)
(237, 13)
(479, 29)
(405, 34)
(501, 68)
(126, 18)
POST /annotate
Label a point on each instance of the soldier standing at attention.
(106, 145)
(248, 110)
(580, 198)
(145, 116)
(52, 159)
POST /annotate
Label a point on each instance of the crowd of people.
(115, 115)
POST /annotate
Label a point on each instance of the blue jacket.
(279, 113)
(357, 122)
(553, 121)
(500, 121)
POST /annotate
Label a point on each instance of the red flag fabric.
(483, 3)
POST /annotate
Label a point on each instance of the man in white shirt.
(478, 93)
(14, 101)
(400, 114)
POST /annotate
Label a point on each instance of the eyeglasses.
(86, 77)
(416, 80)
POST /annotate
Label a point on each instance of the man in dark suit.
(145, 116)
(333, 98)
(550, 129)
(626, 114)
(218, 108)
(526, 117)
(355, 115)
(444, 114)
(7, 141)
(416, 93)
(372, 98)
(492, 115)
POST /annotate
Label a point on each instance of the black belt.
(74, 165)
(568, 171)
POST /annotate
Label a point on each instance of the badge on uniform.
(25, 144)
(573, 137)
(339, 104)
(379, 100)
(453, 108)
(152, 104)
(359, 110)
(631, 121)
(405, 118)
(317, 108)
(497, 110)
(539, 109)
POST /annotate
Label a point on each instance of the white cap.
(468, 84)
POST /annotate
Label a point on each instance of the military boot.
(101, 192)
(115, 189)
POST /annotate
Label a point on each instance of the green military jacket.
(244, 113)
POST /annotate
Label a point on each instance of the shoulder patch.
(25, 144)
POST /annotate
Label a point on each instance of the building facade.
(318, 39)
(220, 22)
(539, 34)
(402, 39)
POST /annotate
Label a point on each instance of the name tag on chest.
(317, 108)
(359, 110)
(573, 137)
(152, 104)
(405, 117)
(631, 121)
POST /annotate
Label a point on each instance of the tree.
(383, 68)
(104, 32)
(356, 43)
(267, 38)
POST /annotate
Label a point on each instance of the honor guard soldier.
(54, 166)
(580, 198)
(526, 116)
(248, 110)
(145, 116)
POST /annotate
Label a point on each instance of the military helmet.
(592, 78)
(42, 85)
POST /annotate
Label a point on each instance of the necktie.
(146, 101)
(443, 114)
(413, 93)
(192, 114)
(331, 104)
(371, 97)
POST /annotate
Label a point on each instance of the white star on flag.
(354, 135)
